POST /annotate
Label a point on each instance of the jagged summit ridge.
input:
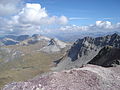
(84, 50)
(89, 43)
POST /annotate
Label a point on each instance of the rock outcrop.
(84, 46)
(90, 77)
(84, 50)
(107, 57)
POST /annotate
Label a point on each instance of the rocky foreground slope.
(90, 77)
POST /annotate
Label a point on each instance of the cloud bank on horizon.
(30, 18)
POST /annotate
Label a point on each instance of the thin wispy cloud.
(108, 18)
(78, 18)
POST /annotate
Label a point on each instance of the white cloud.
(74, 28)
(32, 18)
(117, 25)
(32, 13)
(104, 24)
(78, 18)
(35, 14)
(9, 7)
(63, 20)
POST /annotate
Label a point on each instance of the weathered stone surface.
(90, 77)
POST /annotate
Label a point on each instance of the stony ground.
(90, 77)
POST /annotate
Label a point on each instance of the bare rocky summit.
(90, 77)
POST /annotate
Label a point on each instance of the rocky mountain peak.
(52, 42)
(54, 45)
(81, 47)
(35, 35)
(57, 42)
(115, 35)
(84, 50)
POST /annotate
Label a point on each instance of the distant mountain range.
(63, 36)
(12, 39)
(51, 44)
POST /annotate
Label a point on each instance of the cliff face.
(107, 57)
(84, 46)
(90, 77)
(84, 50)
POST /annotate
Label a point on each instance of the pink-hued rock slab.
(90, 77)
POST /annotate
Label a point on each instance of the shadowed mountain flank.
(107, 57)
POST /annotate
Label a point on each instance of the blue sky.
(87, 11)
(59, 16)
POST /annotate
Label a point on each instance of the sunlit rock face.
(90, 77)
